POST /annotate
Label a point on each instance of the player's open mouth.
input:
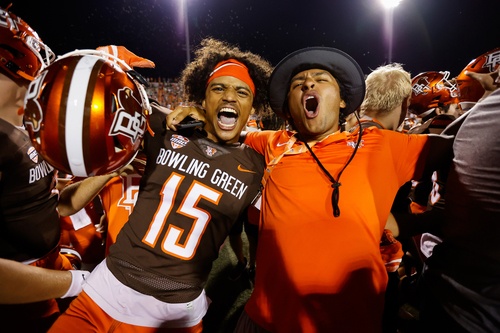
(227, 118)
(311, 106)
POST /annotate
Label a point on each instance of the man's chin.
(224, 135)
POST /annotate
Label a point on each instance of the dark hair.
(269, 120)
(212, 51)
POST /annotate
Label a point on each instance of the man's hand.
(129, 57)
(161, 108)
(181, 112)
(489, 81)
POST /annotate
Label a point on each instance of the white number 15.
(171, 244)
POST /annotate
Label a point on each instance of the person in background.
(29, 199)
(432, 89)
(196, 185)
(460, 284)
(427, 227)
(388, 92)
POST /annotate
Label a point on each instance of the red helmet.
(22, 53)
(85, 115)
(430, 90)
(470, 89)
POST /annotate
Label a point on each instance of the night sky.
(428, 35)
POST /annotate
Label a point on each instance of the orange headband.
(233, 68)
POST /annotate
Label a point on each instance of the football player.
(28, 197)
(196, 184)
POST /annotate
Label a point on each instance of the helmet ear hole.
(85, 115)
(11, 51)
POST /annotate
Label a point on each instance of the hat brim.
(343, 67)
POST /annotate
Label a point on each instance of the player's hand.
(78, 278)
(128, 56)
(489, 81)
(181, 112)
(485, 79)
(161, 108)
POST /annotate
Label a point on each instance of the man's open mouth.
(227, 118)
(311, 106)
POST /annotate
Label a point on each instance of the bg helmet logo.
(125, 123)
(492, 61)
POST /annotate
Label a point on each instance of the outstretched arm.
(20, 283)
(77, 195)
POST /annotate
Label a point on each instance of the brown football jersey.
(28, 199)
(192, 192)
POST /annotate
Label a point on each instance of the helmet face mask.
(22, 53)
(41, 51)
(85, 115)
(431, 90)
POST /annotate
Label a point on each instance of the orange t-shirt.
(315, 272)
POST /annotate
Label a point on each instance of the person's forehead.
(312, 72)
(229, 81)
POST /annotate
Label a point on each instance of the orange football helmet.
(470, 89)
(432, 89)
(22, 53)
(85, 115)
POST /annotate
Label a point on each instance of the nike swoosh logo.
(279, 144)
(242, 169)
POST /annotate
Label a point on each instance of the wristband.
(78, 277)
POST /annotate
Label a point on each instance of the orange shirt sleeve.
(258, 140)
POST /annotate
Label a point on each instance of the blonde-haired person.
(387, 96)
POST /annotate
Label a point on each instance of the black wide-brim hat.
(342, 66)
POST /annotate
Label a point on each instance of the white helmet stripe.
(75, 112)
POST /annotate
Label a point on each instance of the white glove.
(78, 277)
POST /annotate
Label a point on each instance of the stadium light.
(389, 6)
(184, 17)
